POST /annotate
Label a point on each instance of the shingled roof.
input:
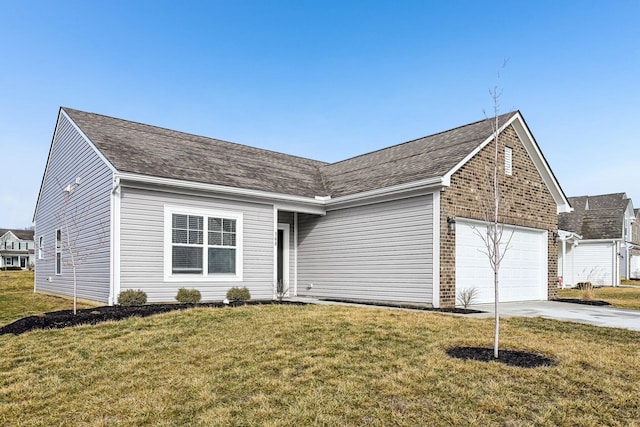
(596, 217)
(153, 151)
(20, 234)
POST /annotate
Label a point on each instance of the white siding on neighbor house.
(594, 262)
(73, 157)
(566, 266)
(634, 270)
(382, 251)
(142, 245)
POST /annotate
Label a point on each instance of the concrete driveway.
(580, 313)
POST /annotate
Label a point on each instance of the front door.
(282, 276)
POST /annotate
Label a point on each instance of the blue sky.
(325, 79)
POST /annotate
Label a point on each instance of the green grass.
(18, 300)
(628, 298)
(315, 365)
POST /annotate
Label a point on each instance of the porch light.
(451, 224)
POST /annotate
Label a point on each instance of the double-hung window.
(58, 251)
(203, 245)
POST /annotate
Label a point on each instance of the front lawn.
(626, 297)
(17, 298)
(316, 365)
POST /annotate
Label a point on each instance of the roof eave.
(389, 193)
(299, 203)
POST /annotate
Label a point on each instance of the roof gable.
(597, 217)
(145, 150)
(18, 234)
(428, 157)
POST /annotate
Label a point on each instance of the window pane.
(180, 221)
(229, 239)
(195, 222)
(179, 236)
(58, 263)
(195, 237)
(215, 224)
(222, 260)
(187, 260)
(215, 238)
(229, 225)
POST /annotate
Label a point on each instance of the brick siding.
(525, 201)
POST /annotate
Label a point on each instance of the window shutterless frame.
(202, 245)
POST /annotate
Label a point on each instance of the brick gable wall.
(525, 201)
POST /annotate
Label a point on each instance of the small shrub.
(238, 294)
(467, 296)
(583, 285)
(190, 296)
(586, 289)
(132, 297)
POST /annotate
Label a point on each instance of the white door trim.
(286, 228)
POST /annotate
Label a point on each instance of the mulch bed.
(520, 359)
(405, 305)
(582, 301)
(92, 316)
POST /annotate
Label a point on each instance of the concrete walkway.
(580, 313)
(570, 312)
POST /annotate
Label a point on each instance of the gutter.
(318, 204)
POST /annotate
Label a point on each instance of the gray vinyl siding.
(382, 251)
(142, 245)
(88, 212)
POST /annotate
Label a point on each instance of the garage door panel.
(523, 271)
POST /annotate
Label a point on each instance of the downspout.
(275, 253)
(114, 248)
(564, 255)
(295, 254)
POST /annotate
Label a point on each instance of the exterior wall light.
(451, 224)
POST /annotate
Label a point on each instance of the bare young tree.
(492, 237)
(71, 218)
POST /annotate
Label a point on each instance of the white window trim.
(204, 277)
(40, 243)
(58, 268)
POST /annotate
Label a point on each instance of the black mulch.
(582, 301)
(92, 316)
(520, 359)
(405, 305)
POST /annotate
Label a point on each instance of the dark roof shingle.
(149, 150)
(596, 217)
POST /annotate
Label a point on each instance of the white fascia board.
(295, 203)
(388, 193)
(88, 141)
(523, 132)
(61, 114)
(600, 241)
(541, 164)
(478, 148)
(316, 206)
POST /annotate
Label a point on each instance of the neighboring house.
(164, 210)
(605, 226)
(16, 248)
(634, 257)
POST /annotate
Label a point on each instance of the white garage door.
(523, 271)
